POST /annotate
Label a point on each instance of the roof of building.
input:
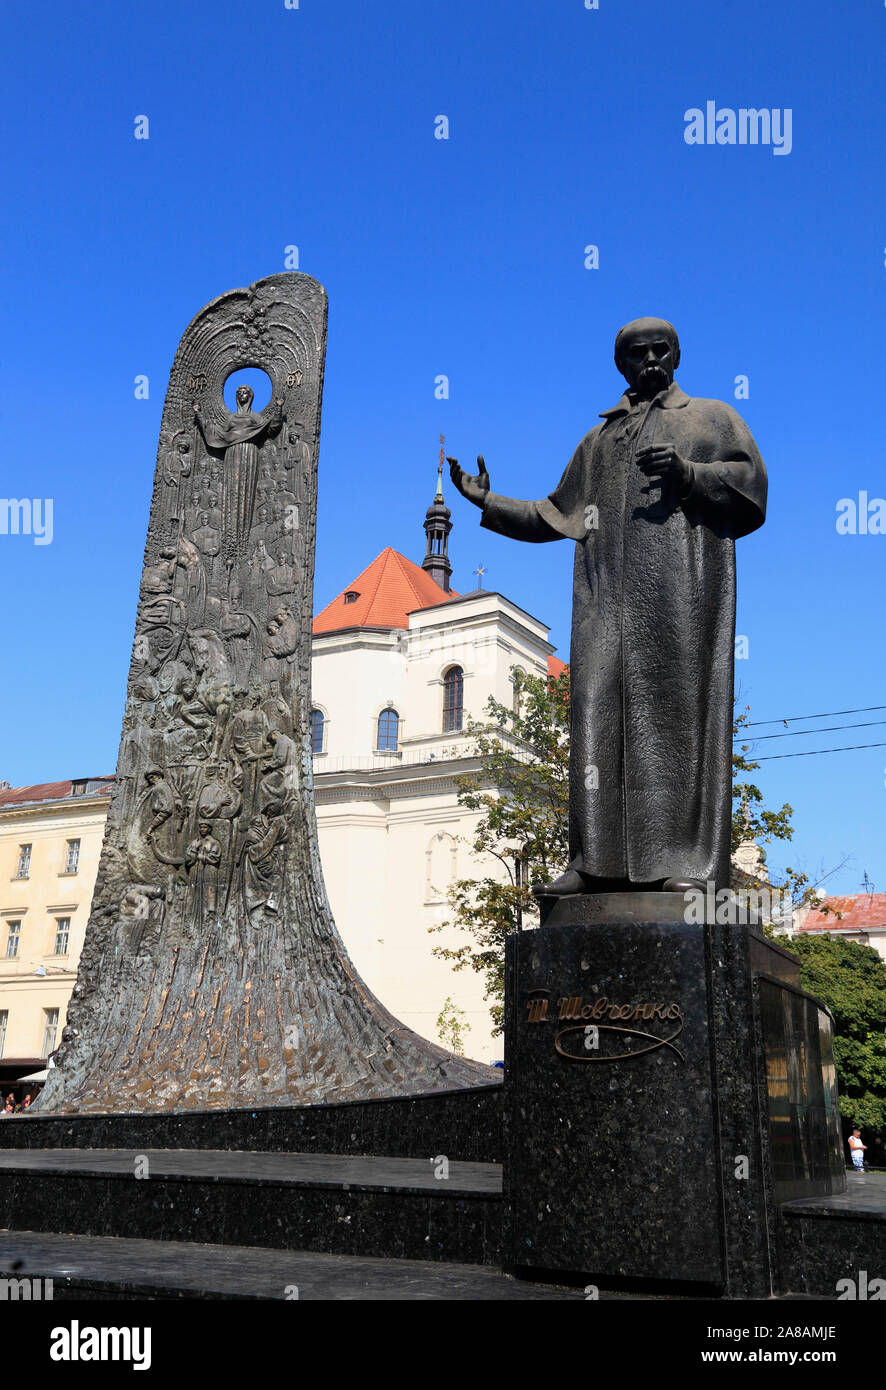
(387, 591)
(861, 911)
(556, 667)
(54, 791)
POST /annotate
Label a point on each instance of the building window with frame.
(4, 1019)
(72, 856)
(388, 731)
(13, 939)
(318, 730)
(453, 699)
(62, 935)
(24, 861)
(49, 1032)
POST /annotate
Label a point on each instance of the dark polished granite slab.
(100, 1268)
(370, 1206)
(835, 1247)
(666, 1083)
(305, 1170)
(611, 1167)
(863, 1200)
(464, 1124)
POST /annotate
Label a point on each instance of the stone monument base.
(668, 1085)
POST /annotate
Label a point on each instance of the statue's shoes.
(563, 887)
(682, 885)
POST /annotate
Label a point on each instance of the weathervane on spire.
(439, 496)
(479, 572)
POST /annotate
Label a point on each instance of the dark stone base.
(641, 1152)
(835, 1247)
(463, 1124)
(394, 1208)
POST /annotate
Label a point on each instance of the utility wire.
(804, 733)
(813, 752)
(800, 718)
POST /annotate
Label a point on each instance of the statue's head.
(244, 395)
(647, 353)
(203, 827)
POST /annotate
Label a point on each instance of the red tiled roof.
(860, 911)
(389, 589)
(52, 791)
(556, 667)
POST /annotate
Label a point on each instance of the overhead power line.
(800, 718)
(814, 752)
(805, 733)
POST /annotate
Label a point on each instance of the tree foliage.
(851, 980)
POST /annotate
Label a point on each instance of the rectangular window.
(62, 933)
(4, 1019)
(72, 857)
(50, 1031)
(12, 940)
(24, 861)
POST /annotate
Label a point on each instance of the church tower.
(437, 528)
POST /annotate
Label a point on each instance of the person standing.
(857, 1150)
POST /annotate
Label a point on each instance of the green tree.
(851, 980)
(452, 1025)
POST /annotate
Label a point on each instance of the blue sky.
(463, 257)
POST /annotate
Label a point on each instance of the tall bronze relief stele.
(212, 973)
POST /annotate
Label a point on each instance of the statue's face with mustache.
(647, 354)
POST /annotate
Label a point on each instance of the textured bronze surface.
(212, 974)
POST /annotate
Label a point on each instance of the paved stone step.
(363, 1206)
(101, 1267)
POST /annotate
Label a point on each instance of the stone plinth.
(637, 1119)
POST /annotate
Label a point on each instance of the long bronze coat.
(653, 634)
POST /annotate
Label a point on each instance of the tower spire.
(437, 527)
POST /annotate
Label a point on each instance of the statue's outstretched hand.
(474, 488)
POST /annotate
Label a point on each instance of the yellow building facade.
(50, 841)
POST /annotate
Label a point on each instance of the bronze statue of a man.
(655, 498)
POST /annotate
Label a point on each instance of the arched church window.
(318, 728)
(388, 731)
(453, 699)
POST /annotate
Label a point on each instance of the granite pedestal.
(639, 1109)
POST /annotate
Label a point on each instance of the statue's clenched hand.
(474, 488)
(661, 461)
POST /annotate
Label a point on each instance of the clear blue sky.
(315, 127)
